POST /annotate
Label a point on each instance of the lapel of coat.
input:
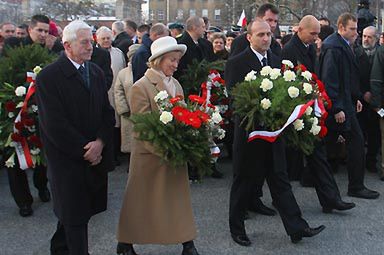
(69, 70)
(156, 80)
(252, 61)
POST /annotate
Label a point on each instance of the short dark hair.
(264, 8)
(344, 18)
(144, 28)
(325, 31)
(325, 19)
(131, 24)
(38, 18)
(23, 26)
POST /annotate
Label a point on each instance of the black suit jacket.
(102, 58)
(123, 41)
(297, 53)
(70, 116)
(246, 155)
(241, 43)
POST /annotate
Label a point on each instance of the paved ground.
(359, 231)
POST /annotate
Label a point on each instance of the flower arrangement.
(18, 124)
(276, 98)
(181, 131)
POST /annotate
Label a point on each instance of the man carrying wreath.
(258, 160)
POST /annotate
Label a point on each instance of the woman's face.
(218, 44)
(169, 62)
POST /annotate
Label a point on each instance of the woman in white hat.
(157, 205)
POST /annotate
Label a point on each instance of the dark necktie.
(83, 75)
(264, 61)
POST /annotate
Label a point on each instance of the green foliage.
(17, 61)
(197, 73)
(185, 145)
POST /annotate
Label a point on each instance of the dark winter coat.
(140, 59)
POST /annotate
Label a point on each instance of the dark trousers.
(320, 172)
(18, 183)
(70, 240)
(270, 165)
(369, 122)
(355, 153)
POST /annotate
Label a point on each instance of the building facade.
(129, 9)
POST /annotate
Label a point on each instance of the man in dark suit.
(340, 73)
(301, 50)
(255, 161)
(197, 47)
(76, 126)
(102, 58)
(122, 39)
(269, 13)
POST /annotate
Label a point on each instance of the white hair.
(118, 26)
(70, 31)
(103, 29)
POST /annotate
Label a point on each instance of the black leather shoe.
(243, 240)
(308, 232)
(189, 251)
(25, 211)
(339, 205)
(364, 193)
(45, 195)
(125, 249)
(260, 208)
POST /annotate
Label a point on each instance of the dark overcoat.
(339, 72)
(246, 154)
(70, 116)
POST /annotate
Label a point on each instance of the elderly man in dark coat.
(258, 160)
(76, 125)
(340, 73)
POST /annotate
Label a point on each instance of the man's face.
(21, 32)
(349, 32)
(200, 28)
(309, 34)
(104, 39)
(130, 31)
(272, 19)
(261, 36)
(39, 33)
(369, 38)
(140, 36)
(8, 30)
(81, 49)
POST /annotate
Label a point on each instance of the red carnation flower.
(179, 112)
(301, 67)
(193, 120)
(29, 122)
(202, 115)
(323, 131)
(176, 99)
(19, 125)
(10, 106)
(16, 137)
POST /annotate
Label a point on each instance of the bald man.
(301, 50)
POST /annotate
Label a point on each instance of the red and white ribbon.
(271, 136)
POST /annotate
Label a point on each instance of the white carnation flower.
(11, 161)
(308, 111)
(275, 73)
(35, 151)
(216, 118)
(298, 124)
(221, 133)
(162, 95)
(34, 108)
(250, 76)
(287, 63)
(265, 70)
(289, 75)
(20, 91)
(307, 75)
(265, 103)
(307, 88)
(293, 92)
(11, 115)
(37, 69)
(266, 85)
(314, 120)
(166, 117)
(315, 130)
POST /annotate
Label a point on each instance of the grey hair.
(118, 26)
(103, 29)
(192, 22)
(70, 31)
(158, 29)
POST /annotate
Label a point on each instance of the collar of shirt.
(347, 42)
(76, 64)
(259, 56)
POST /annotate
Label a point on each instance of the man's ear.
(249, 37)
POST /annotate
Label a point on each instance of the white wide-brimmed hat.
(164, 45)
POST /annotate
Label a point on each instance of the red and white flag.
(243, 20)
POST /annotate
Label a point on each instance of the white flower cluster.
(315, 129)
(298, 124)
(10, 161)
(307, 88)
(166, 117)
(265, 103)
(221, 133)
(275, 73)
(37, 69)
(307, 75)
(251, 76)
(20, 91)
(216, 117)
(266, 85)
(161, 100)
(293, 92)
(266, 70)
(289, 75)
(287, 63)
(162, 95)
(35, 151)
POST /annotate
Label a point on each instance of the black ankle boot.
(189, 249)
(125, 249)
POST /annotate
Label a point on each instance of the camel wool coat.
(157, 205)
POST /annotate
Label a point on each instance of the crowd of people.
(103, 76)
